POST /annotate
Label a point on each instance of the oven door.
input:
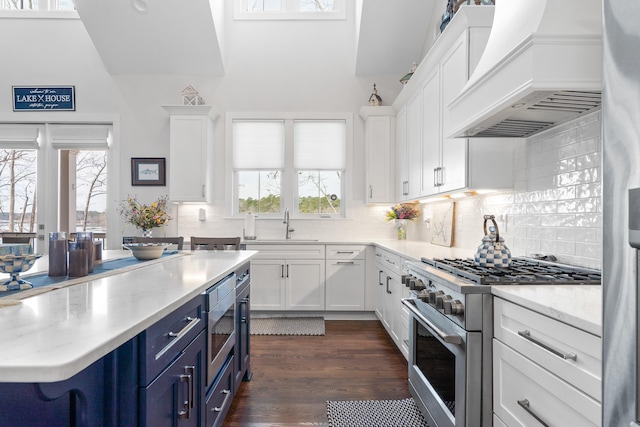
(445, 368)
(220, 330)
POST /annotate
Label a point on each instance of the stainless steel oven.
(221, 335)
(451, 328)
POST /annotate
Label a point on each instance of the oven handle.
(448, 338)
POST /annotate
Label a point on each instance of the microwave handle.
(448, 338)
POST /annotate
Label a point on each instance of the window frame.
(289, 11)
(289, 197)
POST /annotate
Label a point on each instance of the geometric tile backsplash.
(556, 205)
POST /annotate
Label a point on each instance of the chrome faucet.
(289, 230)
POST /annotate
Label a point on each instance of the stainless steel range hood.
(542, 66)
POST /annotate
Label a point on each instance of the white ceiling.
(182, 37)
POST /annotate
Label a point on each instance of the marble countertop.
(576, 305)
(54, 335)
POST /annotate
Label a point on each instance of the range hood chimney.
(542, 66)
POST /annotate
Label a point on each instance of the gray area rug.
(374, 413)
(287, 326)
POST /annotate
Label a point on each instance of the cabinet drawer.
(388, 260)
(220, 397)
(345, 252)
(288, 251)
(523, 390)
(164, 340)
(548, 341)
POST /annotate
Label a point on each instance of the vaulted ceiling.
(178, 37)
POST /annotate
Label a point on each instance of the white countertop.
(576, 305)
(54, 335)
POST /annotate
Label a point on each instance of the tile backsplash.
(556, 205)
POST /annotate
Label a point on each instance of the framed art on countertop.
(148, 171)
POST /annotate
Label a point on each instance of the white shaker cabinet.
(379, 135)
(544, 370)
(409, 151)
(288, 277)
(345, 278)
(190, 152)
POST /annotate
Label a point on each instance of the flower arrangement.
(143, 216)
(402, 211)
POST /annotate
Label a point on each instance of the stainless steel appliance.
(221, 336)
(450, 357)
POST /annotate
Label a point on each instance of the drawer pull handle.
(345, 262)
(192, 322)
(527, 335)
(224, 402)
(188, 404)
(344, 252)
(524, 403)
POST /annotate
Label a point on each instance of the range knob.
(418, 285)
(454, 307)
(433, 296)
(441, 300)
(405, 279)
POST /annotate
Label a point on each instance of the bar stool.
(215, 243)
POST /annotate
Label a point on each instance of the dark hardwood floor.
(294, 376)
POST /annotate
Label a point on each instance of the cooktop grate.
(521, 271)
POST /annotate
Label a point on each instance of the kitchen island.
(84, 337)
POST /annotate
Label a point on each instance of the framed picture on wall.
(148, 171)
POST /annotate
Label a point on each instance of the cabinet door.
(304, 284)
(394, 304)
(431, 159)
(402, 174)
(190, 137)
(243, 328)
(380, 293)
(268, 285)
(414, 147)
(174, 398)
(378, 146)
(345, 285)
(455, 73)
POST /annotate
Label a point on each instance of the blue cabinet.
(175, 397)
(243, 319)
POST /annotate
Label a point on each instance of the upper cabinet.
(190, 152)
(447, 165)
(379, 136)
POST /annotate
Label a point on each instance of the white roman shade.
(319, 144)
(80, 137)
(19, 137)
(258, 144)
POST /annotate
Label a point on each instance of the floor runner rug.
(287, 326)
(374, 413)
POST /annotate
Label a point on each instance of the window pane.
(20, 4)
(264, 5)
(259, 192)
(66, 5)
(319, 192)
(18, 190)
(91, 191)
(316, 5)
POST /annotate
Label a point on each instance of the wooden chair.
(215, 243)
(178, 241)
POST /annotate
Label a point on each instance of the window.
(290, 9)
(37, 5)
(289, 163)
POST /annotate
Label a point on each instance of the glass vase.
(146, 232)
(401, 226)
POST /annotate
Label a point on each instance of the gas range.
(451, 286)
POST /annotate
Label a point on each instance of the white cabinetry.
(544, 370)
(345, 285)
(446, 164)
(389, 308)
(379, 135)
(190, 152)
(409, 151)
(288, 277)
